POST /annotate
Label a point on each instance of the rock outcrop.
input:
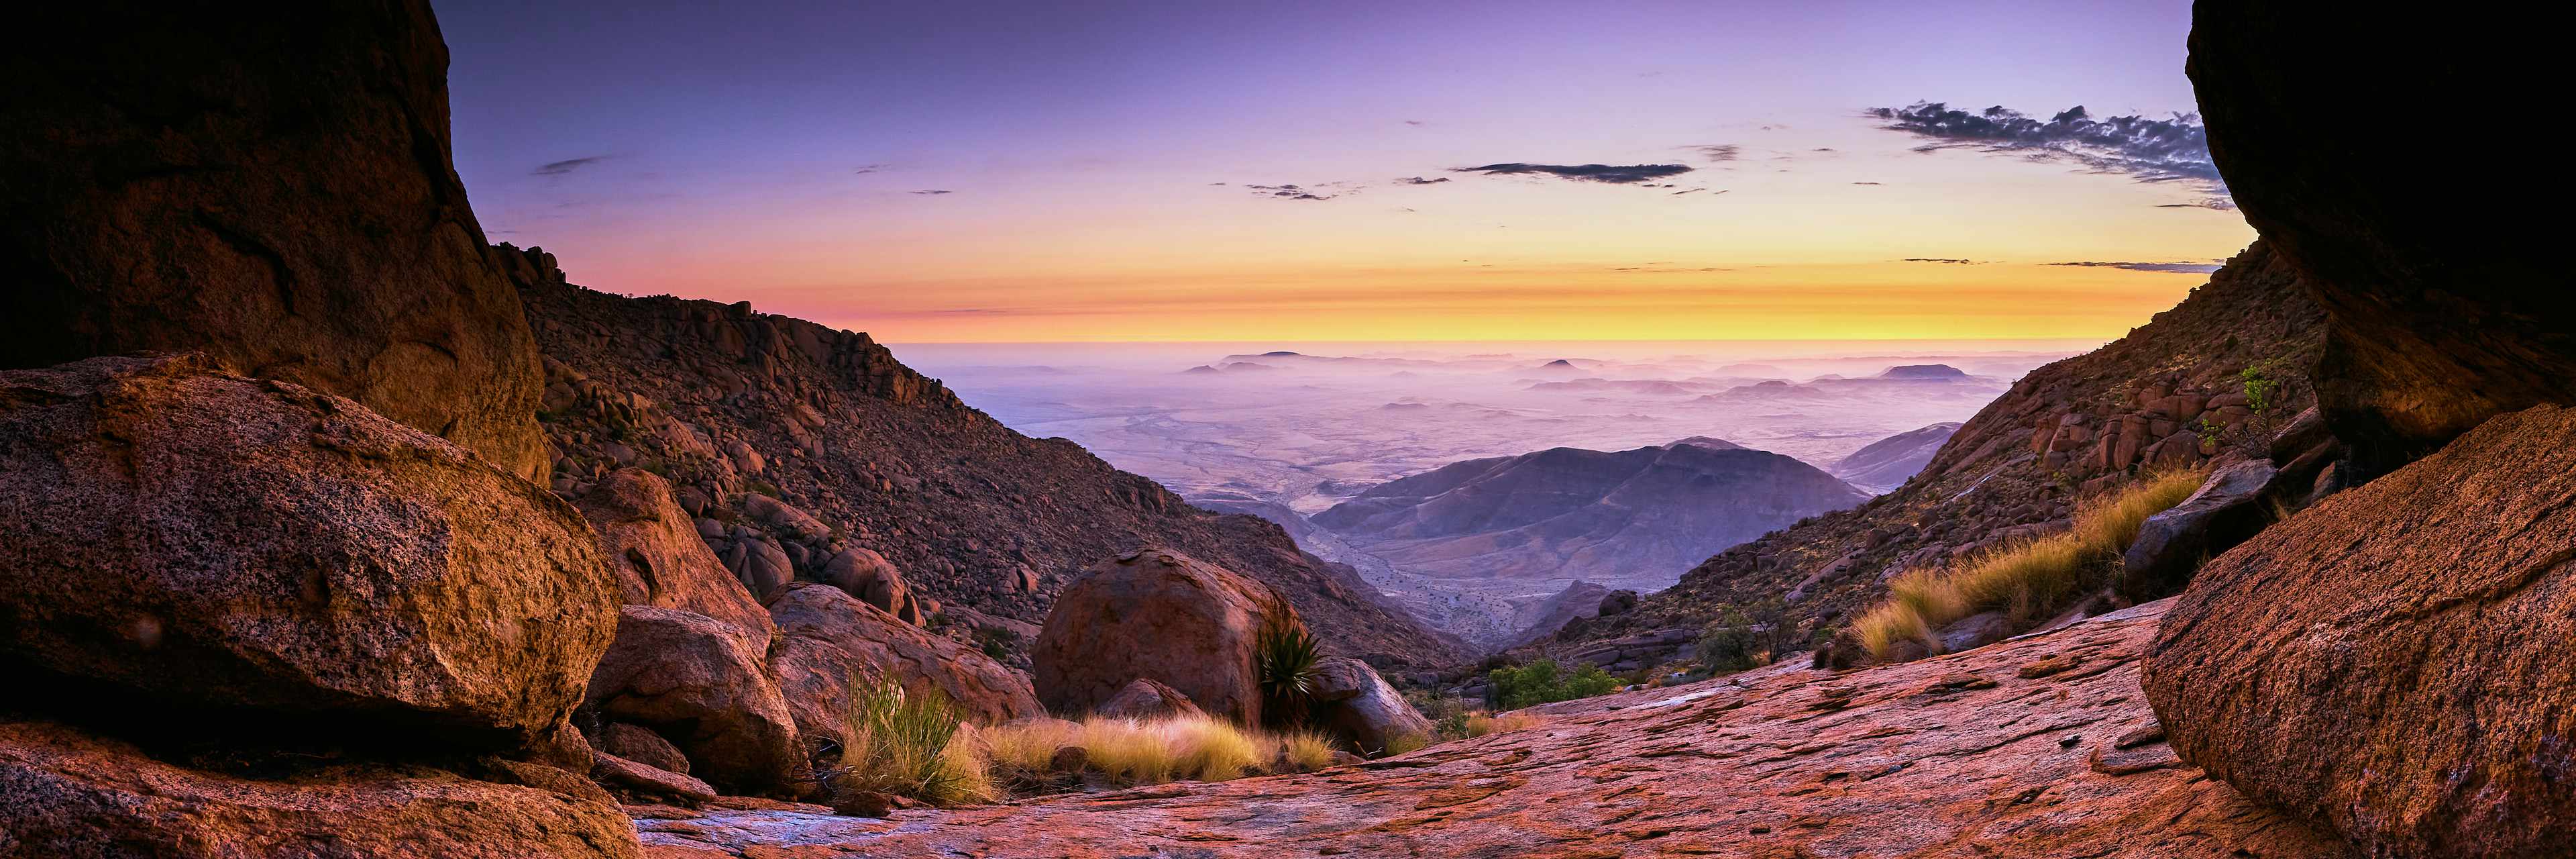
(659, 557)
(1160, 615)
(268, 185)
(695, 681)
(2038, 747)
(2232, 505)
(276, 555)
(2436, 321)
(750, 413)
(1357, 706)
(68, 794)
(827, 638)
(2393, 662)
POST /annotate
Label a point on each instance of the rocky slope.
(1887, 463)
(1534, 523)
(796, 444)
(2082, 425)
(2042, 747)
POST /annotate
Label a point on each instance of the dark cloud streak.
(1604, 173)
(2156, 151)
(566, 166)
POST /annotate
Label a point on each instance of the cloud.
(2174, 150)
(1289, 192)
(1615, 175)
(2164, 267)
(1945, 260)
(931, 191)
(566, 166)
(865, 169)
(1413, 122)
(1417, 180)
(1869, 183)
(1717, 151)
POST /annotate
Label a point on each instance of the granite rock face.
(827, 638)
(255, 548)
(65, 793)
(2392, 663)
(695, 681)
(1159, 615)
(660, 559)
(267, 184)
(2436, 321)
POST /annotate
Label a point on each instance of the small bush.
(1481, 724)
(1542, 682)
(1405, 744)
(1728, 645)
(995, 641)
(1285, 657)
(2027, 579)
(1307, 751)
(911, 745)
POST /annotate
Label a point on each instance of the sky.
(1368, 171)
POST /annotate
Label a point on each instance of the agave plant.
(1285, 664)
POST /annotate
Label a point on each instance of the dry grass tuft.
(1131, 751)
(911, 745)
(2025, 579)
(1307, 751)
(1481, 724)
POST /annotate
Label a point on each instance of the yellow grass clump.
(1307, 751)
(2023, 579)
(1481, 724)
(1149, 751)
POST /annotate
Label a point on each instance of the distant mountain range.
(1533, 523)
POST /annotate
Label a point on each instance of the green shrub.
(995, 641)
(2262, 380)
(1728, 644)
(1285, 657)
(1542, 682)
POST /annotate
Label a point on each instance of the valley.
(1288, 434)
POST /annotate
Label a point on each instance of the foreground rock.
(2393, 662)
(269, 185)
(695, 681)
(1960, 755)
(63, 793)
(827, 638)
(258, 549)
(1159, 615)
(659, 558)
(1360, 708)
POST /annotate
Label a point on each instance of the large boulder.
(2230, 506)
(252, 547)
(1358, 706)
(694, 680)
(827, 637)
(660, 559)
(65, 793)
(2435, 321)
(1162, 615)
(869, 576)
(269, 184)
(2393, 662)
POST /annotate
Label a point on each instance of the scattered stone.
(1147, 699)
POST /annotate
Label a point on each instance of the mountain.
(1886, 463)
(2073, 428)
(1624, 519)
(743, 409)
(1924, 372)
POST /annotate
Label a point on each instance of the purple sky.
(779, 152)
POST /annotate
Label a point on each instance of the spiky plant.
(1285, 657)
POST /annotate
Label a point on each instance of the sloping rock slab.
(660, 559)
(827, 636)
(2394, 661)
(66, 794)
(1914, 764)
